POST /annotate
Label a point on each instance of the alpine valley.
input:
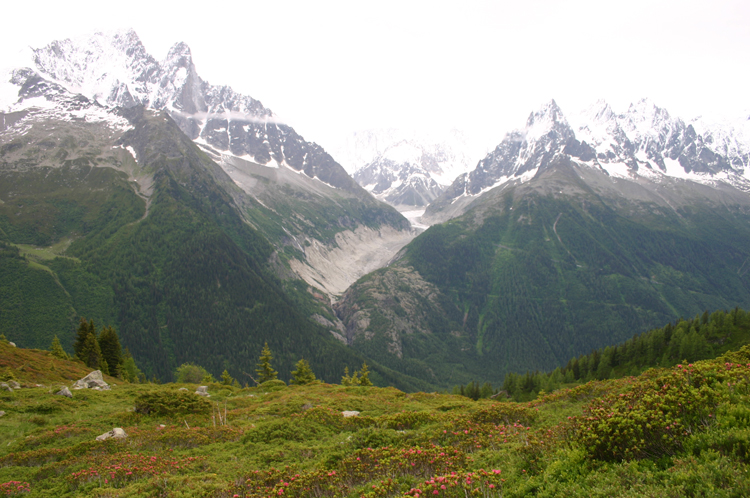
(135, 194)
(199, 225)
(564, 239)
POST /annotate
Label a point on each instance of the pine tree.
(364, 376)
(91, 354)
(304, 374)
(111, 351)
(346, 380)
(264, 370)
(57, 350)
(84, 329)
(130, 370)
(226, 379)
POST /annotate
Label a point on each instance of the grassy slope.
(294, 438)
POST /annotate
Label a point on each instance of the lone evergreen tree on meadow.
(57, 350)
(304, 374)
(264, 370)
(364, 376)
(226, 378)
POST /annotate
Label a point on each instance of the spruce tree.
(346, 380)
(91, 354)
(130, 370)
(264, 370)
(84, 329)
(226, 379)
(364, 376)
(111, 351)
(57, 350)
(304, 374)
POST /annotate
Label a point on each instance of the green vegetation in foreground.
(680, 431)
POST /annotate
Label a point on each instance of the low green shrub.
(171, 403)
(272, 385)
(654, 417)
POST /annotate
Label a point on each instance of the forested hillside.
(169, 262)
(704, 337)
(530, 277)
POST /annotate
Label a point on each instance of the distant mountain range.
(406, 169)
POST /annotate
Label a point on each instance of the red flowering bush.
(461, 484)
(119, 470)
(14, 488)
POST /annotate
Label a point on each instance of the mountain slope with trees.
(554, 255)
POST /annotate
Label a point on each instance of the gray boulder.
(5, 387)
(92, 380)
(202, 391)
(350, 413)
(14, 384)
(65, 392)
(2, 413)
(116, 433)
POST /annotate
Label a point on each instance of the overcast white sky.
(328, 68)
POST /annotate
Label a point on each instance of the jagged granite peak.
(520, 154)
(729, 137)
(644, 143)
(548, 119)
(114, 69)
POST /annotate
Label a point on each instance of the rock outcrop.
(94, 380)
(116, 433)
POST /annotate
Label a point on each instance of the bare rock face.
(350, 413)
(116, 433)
(64, 392)
(93, 380)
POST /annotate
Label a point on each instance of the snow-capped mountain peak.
(113, 69)
(545, 120)
(100, 66)
(644, 144)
